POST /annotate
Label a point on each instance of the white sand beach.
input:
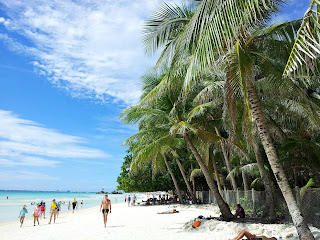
(139, 222)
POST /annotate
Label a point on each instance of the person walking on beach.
(134, 200)
(69, 205)
(36, 214)
(22, 214)
(125, 199)
(81, 203)
(129, 199)
(74, 203)
(43, 210)
(58, 208)
(53, 211)
(106, 206)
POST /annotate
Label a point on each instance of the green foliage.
(143, 180)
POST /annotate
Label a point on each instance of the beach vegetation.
(238, 93)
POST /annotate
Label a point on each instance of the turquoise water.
(10, 208)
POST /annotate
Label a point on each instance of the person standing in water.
(74, 203)
(22, 214)
(53, 211)
(129, 199)
(43, 210)
(106, 207)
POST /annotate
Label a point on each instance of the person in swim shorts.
(53, 211)
(106, 206)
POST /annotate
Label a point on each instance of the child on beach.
(43, 210)
(22, 214)
(58, 208)
(36, 214)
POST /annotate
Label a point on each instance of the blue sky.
(67, 69)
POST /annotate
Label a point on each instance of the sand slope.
(138, 223)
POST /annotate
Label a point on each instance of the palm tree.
(150, 145)
(216, 31)
(176, 156)
(169, 110)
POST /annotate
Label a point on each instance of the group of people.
(40, 210)
(134, 199)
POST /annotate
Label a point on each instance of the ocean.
(10, 208)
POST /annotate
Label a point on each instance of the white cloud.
(8, 176)
(25, 141)
(28, 161)
(90, 48)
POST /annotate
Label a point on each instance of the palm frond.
(214, 28)
(306, 48)
(196, 173)
(164, 25)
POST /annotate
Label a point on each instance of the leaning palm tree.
(169, 110)
(152, 145)
(191, 192)
(223, 30)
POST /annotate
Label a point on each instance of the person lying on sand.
(168, 212)
(248, 235)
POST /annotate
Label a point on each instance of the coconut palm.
(151, 145)
(174, 112)
(217, 31)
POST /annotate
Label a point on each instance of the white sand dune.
(141, 223)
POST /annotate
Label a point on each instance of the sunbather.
(168, 212)
(248, 235)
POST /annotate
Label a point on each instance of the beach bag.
(196, 224)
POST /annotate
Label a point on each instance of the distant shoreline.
(45, 191)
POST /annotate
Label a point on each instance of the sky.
(67, 70)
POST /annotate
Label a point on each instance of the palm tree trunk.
(223, 206)
(214, 164)
(193, 182)
(173, 177)
(245, 180)
(269, 208)
(227, 162)
(299, 222)
(186, 180)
